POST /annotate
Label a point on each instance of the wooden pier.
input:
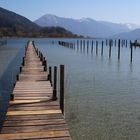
(32, 113)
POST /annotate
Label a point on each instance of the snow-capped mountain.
(85, 26)
(132, 26)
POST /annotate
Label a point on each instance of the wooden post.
(17, 77)
(87, 45)
(11, 97)
(96, 47)
(77, 45)
(43, 61)
(126, 43)
(23, 61)
(20, 69)
(50, 75)
(131, 53)
(84, 45)
(115, 43)
(110, 45)
(45, 65)
(62, 74)
(102, 48)
(106, 42)
(122, 43)
(92, 47)
(54, 98)
(119, 49)
(37, 51)
(81, 45)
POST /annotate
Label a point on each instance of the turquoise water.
(102, 95)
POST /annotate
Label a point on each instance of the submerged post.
(131, 53)
(115, 43)
(87, 45)
(92, 46)
(126, 43)
(62, 74)
(119, 49)
(84, 45)
(102, 48)
(96, 47)
(54, 98)
(110, 45)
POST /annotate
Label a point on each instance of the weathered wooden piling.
(126, 43)
(96, 47)
(55, 84)
(119, 49)
(50, 75)
(92, 46)
(110, 46)
(77, 45)
(131, 52)
(62, 74)
(81, 45)
(84, 45)
(87, 45)
(102, 49)
(115, 44)
(106, 42)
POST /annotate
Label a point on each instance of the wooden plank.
(33, 122)
(9, 113)
(27, 101)
(34, 128)
(45, 134)
(37, 117)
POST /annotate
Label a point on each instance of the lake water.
(102, 94)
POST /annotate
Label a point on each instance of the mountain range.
(87, 26)
(15, 25)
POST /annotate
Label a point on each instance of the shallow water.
(10, 60)
(102, 95)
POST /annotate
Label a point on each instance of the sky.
(118, 11)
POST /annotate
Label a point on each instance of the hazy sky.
(120, 11)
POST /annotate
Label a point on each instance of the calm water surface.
(10, 60)
(102, 94)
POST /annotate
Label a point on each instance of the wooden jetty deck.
(32, 114)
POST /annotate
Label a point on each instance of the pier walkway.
(32, 114)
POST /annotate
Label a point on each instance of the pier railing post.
(23, 61)
(55, 84)
(17, 77)
(45, 65)
(20, 69)
(11, 97)
(62, 88)
(50, 75)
